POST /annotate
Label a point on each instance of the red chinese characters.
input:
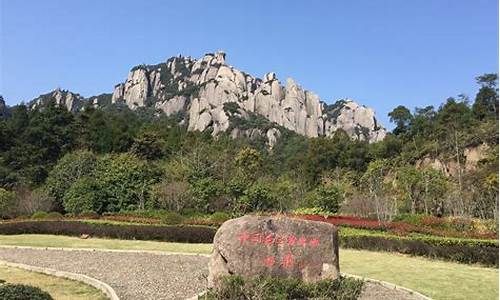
(314, 242)
(256, 238)
(287, 261)
(269, 261)
(243, 237)
(271, 238)
(302, 241)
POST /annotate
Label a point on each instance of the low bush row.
(454, 249)
(424, 224)
(10, 291)
(182, 234)
(269, 288)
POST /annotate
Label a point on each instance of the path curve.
(153, 274)
(102, 286)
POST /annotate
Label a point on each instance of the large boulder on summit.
(275, 246)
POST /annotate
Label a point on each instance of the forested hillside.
(440, 161)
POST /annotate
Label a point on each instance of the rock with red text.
(275, 246)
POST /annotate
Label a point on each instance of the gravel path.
(147, 276)
(133, 276)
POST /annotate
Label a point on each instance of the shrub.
(54, 215)
(39, 215)
(30, 201)
(68, 169)
(220, 217)
(270, 288)
(172, 218)
(83, 195)
(89, 214)
(454, 249)
(486, 226)
(124, 180)
(414, 219)
(258, 197)
(434, 222)
(182, 234)
(22, 292)
(350, 221)
(312, 211)
(461, 223)
(7, 203)
(328, 198)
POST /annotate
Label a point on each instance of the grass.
(433, 278)
(59, 241)
(58, 288)
(437, 279)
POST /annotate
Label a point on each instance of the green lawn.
(58, 288)
(437, 279)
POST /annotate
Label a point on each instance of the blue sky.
(380, 53)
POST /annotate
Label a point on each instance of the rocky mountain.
(73, 102)
(209, 94)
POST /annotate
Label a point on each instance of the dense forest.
(115, 159)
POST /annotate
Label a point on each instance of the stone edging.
(104, 287)
(157, 252)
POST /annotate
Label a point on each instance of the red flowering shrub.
(428, 225)
(434, 222)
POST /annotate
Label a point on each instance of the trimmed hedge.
(22, 292)
(459, 250)
(182, 234)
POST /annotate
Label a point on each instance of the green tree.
(377, 190)
(68, 169)
(258, 197)
(148, 146)
(205, 192)
(249, 161)
(409, 183)
(486, 102)
(84, 195)
(124, 181)
(402, 117)
(328, 197)
(7, 203)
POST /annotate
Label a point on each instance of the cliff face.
(209, 94)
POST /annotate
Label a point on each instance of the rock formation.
(209, 94)
(275, 246)
(73, 102)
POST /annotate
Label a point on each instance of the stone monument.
(275, 246)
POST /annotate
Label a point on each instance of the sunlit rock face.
(73, 102)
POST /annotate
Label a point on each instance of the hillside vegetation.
(438, 161)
